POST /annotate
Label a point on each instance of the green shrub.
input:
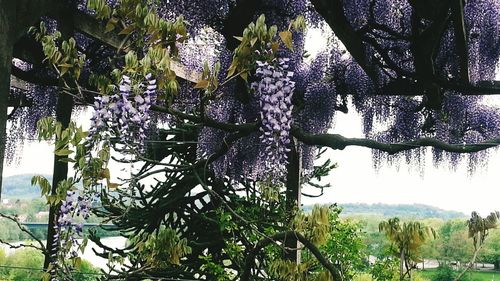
(30, 259)
(446, 273)
(362, 277)
(87, 272)
(418, 277)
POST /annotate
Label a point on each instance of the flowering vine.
(124, 114)
(274, 91)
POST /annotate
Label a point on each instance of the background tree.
(407, 239)
(491, 250)
(479, 229)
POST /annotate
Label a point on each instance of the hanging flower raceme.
(74, 210)
(274, 91)
(125, 114)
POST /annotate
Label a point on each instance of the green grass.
(474, 275)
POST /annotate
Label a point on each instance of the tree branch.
(41, 246)
(336, 141)
(333, 12)
(250, 260)
(457, 8)
(209, 122)
(31, 77)
(92, 28)
(408, 87)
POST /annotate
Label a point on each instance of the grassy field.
(474, 275)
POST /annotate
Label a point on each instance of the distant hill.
(19, 187)
(416, 211)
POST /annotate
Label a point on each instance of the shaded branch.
(408, 87)
(94, 29)
(336, 141)
(238, 19)
(30, 76)
(41, 246)
(333, 13)
(457, 8)
(209, 122)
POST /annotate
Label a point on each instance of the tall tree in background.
(479, 229)
(407, 238)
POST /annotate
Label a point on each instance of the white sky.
(355, 180)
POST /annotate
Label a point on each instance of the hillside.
(415, 211)
(19, 187)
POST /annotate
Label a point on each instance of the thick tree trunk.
(294, 171)
(6, 43)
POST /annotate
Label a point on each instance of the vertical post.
(6, 9)
(64, 108)
(63, 115)
(294, 171)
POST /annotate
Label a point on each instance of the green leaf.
(77, 262)
(109, 27)
(286, 37)
(67, 160)
(63, 152)
(244, 76)
(203, 84)
(232, 69)
(253, 41)
(44, 184)
(127, 30)
(65, 65)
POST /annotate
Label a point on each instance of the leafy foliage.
(408, 239)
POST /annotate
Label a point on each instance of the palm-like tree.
(479, 228)
(408, 238)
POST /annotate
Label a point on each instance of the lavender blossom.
(124, 114)
(274, 91)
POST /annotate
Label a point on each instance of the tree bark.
(294, 171)
(6, 44)
(60, 171)
(401, 265)
(63, 115)
(470, 265)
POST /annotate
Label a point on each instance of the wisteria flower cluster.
(274, 91)
(124, 114)
(74, 210)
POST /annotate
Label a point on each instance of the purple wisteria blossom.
(274, 91)
(125, 115)
(74, 210)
